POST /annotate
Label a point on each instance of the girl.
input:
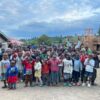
(12, 73)
(54, 62)
(4, 65)
(38, 69)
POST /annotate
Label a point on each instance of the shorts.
(67, 75)
(28, 72)
(38, 74)
(88, 74)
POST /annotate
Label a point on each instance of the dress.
(12, 74)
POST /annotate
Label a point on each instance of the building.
(92, 42)
(3, 38)
(96, 43)
(5, 41)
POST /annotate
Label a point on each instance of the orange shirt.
(45, 68)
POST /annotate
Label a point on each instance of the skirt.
(12, 79)
(38, 74)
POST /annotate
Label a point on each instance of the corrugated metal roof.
(4, 36)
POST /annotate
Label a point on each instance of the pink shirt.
(54, 65)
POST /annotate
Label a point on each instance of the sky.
(32, 18)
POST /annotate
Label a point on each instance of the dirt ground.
(52, 93)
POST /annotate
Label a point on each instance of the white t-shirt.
(68, 68)
(38, 66)
(89, 65)
(4, 65)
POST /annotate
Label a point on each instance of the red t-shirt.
(83, 57)
(45, 68)
(27, 65)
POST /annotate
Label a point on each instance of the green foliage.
(44, 39)
(33, 42)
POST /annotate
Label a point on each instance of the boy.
(77, 70)
(45, 72)
(68, 68)
(89, 66)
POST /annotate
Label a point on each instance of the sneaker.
(70, 85)
(4, 87)
(89, 85)
(21, 81)
(65, 84)
(93, 84)
(84, 84)
(26, 86)
(74, 84)
(41, 85)
(31, 85)
(13, 88)
(78, 84)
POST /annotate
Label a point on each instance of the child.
(83, 56)
(68, 68)
(89, 66)
(20, 66)
(45, 72)
(4, 65)
(28, 71)
(77, 70)
(38, 70)
(54, 70)
(18, 58)
(12, 75)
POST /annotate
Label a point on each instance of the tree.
(44, 39)
(33, 42)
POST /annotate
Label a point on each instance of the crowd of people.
(49, 66)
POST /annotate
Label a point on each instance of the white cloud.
(2, 17)
(17, 13)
